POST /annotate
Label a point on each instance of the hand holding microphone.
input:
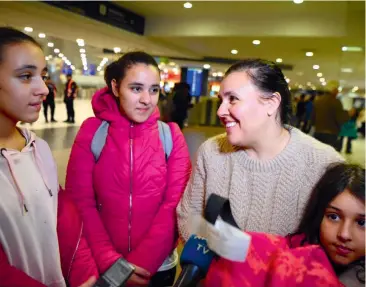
(195, 261)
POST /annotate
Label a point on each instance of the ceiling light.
(355, 89)
(256, 42)
(309, 54)
(187, 5)
(117, 49)
(279, 60)
(50, 56)
(99, 69)
(171, 64)
(42, 35)
(351, 49)
(82, 50)
(346, 70)
(319, 75)
(234, 52)
(298, 1)
(85, 68)
(72, 67)
(28, 29)
(60, 55)
(57, 51)
(105, 59)
(287, 80)
(220, 74)
(206, 66)
(316, 67)
(82, 55)
(64, 58)
(322, 79)
(214, 74)
(308, 83)
(47, 58)
(324, 83)
(50, 44)
(79, 40)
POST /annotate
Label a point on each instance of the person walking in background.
(349, 131)
(128, 189)
(309, 106)
(300, 111)
(70, 94)
(49, 101)
(182, 102)
(329, 116)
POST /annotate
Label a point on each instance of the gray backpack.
(100, 138)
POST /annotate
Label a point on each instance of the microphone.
(195, 261)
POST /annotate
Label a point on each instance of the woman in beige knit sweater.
(266, 168)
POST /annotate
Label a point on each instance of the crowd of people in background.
(324, 117)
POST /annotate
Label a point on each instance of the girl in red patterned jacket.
(328, 248)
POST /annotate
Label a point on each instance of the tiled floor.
(60, 136)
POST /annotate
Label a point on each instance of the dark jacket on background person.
(328, 115)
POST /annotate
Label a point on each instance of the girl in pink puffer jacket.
(128, 196)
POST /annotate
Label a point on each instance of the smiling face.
(342, 230)
(138, 92)
(242, 111)
(22, 87)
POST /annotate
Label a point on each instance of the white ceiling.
(286, 31)
(212, 29)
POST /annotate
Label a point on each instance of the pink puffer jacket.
(128, 198)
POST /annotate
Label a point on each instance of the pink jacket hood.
(128, 197)
(106, 108)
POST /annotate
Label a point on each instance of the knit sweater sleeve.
(318, 161)
(193, 199)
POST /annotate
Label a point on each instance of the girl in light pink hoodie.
(41, 242)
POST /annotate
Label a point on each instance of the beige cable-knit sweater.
(265, 196)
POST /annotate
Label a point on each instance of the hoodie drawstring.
(39, 163)
(5, 154)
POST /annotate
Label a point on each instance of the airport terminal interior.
(317, 44)
(312, 41)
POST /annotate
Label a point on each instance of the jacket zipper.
(76, 248)
(130, 210)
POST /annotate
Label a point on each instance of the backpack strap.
(166, 138)
(99, 140)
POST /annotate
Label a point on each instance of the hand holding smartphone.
(117, 275)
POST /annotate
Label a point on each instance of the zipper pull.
(50, 192)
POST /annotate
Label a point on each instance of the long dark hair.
(9, 36)
(337, 178)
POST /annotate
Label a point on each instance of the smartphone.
(117, 275)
